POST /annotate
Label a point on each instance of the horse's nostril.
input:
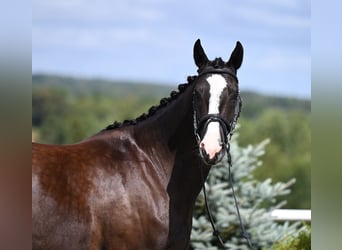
(204, 153)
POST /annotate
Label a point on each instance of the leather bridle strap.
(245, 233)
(228, 127)
(215, 231)
(204, 122)
(213, 70)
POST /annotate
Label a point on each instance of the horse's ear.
(199, 55)
(236, 57)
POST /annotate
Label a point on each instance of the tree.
(288, 154)
(256, 200)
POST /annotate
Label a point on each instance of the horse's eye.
(233, 96)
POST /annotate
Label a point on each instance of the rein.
(228, 129)
(216, 232)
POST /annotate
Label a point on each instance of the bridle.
(226, 130)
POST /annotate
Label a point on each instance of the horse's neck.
(172, 131)
(175, 121)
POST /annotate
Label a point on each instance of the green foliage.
(300, 242)
(254, 104)
(288, 154)
(67, 110)
(256, 200)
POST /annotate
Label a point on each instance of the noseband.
(204, 122)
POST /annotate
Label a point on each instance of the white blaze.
(211, 140)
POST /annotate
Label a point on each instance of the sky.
(152, 40)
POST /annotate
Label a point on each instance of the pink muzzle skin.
(211, 142)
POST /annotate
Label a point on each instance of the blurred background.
(100, 61)
(16, 102)
(150, 40)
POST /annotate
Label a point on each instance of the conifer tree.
(256, 201)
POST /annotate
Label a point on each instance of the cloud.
(93, 11)
(284, 61)
(98, 38)
(281, 4)
(272, 17)
(275, 34)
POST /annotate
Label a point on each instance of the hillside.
(253, 103)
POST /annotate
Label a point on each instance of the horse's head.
(216, 102)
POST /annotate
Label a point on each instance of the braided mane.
(152, 110)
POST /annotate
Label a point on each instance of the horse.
(133, 185)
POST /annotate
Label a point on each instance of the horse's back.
(96, 195)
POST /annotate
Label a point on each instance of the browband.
(213, 70)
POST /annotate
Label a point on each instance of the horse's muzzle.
(214, 159)
(213, 134)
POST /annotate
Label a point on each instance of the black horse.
(134, 184)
